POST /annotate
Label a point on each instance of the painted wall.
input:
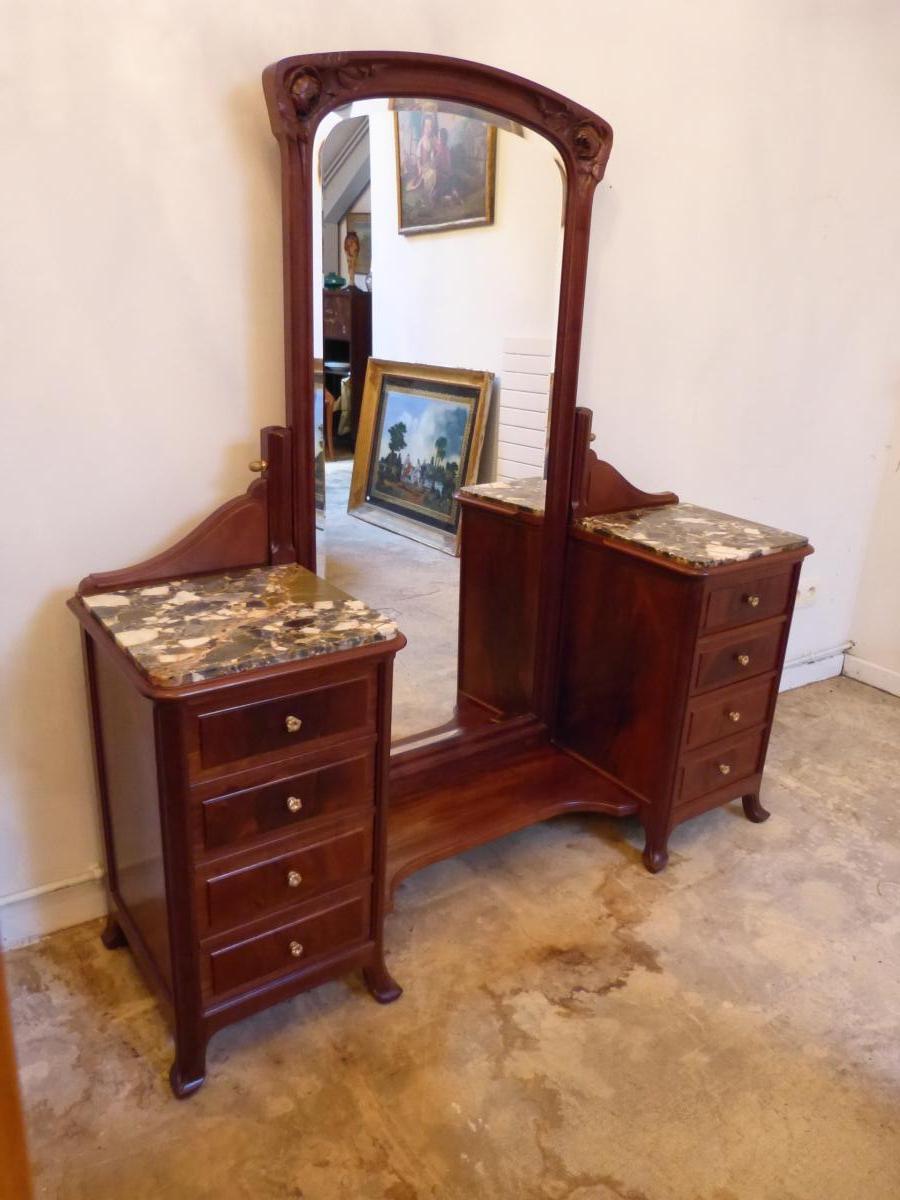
(875, 658)
(740, 339)
(450, 298)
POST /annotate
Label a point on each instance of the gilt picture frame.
(446, 168)
(420, 437)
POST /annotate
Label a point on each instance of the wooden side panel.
(128, 748)
(626, 664)
(499, 586)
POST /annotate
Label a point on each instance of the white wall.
(740, 341)
(876, 623)
(450, 298)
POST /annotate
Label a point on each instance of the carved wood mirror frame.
(299, 92)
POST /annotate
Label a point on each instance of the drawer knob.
(292, 724)
(743, 660)
(296, 949)
(294, 879)
(724, 769)
(752, 600)
(294, 803)
(734, 715)
(258, 466)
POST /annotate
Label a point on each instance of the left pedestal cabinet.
(242, 789)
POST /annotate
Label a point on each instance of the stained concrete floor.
(572, 1027)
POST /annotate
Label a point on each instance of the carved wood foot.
(655, 855)
(381, 983)
(753, 810)
(112, 936)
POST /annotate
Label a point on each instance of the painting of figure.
(421, 430)
(445, 169)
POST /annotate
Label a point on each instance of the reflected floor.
(416, 586)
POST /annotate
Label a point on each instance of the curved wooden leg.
(380, 982)
(112, 936)
(753, 810)
(188, 1071)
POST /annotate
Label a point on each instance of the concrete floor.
(572, 1028)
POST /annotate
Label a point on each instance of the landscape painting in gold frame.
(421, 432)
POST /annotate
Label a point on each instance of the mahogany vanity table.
(255, 812)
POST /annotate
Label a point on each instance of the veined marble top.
(525, 495)
(189, 630)
(698, 537)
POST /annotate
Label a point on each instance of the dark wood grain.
(597, 486)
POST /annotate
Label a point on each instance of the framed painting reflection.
(420, 437)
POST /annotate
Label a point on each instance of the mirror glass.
(435, 300)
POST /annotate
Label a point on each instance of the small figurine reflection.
(351, 249)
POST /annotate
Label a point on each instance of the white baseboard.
(32, 915)
(871, 673)
(811, 668)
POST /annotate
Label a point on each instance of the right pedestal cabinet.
(674, 636)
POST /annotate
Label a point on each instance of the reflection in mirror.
(435, 308)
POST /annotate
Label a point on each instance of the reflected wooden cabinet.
(347, 337)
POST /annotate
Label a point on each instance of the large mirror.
(437, 248)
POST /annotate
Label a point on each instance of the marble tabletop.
(524, 495)
(698, 537)
(189, 630)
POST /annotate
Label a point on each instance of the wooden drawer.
(290, 947)
(710, 770)
(336, 316)
(728, 659)
(748, 598)
(326, 791)
(727, 711)
(292, 723)
(289, 878)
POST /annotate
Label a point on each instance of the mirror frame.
(300, 91)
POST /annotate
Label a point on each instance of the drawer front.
(750, 598)
(327, 791)
(336, 316)
(292, 723)
(290, 947)
(744, 654)
(287, 879)
(727, 712)
(716, 768)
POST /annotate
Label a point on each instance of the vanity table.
(241, 728)
(256, 815)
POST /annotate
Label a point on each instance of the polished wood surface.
(597, 486)
(15, 1176)
(499, 577)
(215, 926)
(670, 676)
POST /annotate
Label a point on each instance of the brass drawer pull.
(734, 715)
(258, 466)
(752, 600)
(743, 660)
(292, 724)
(724, 769)
(294, 804)
(296, 949)
(294, 879)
